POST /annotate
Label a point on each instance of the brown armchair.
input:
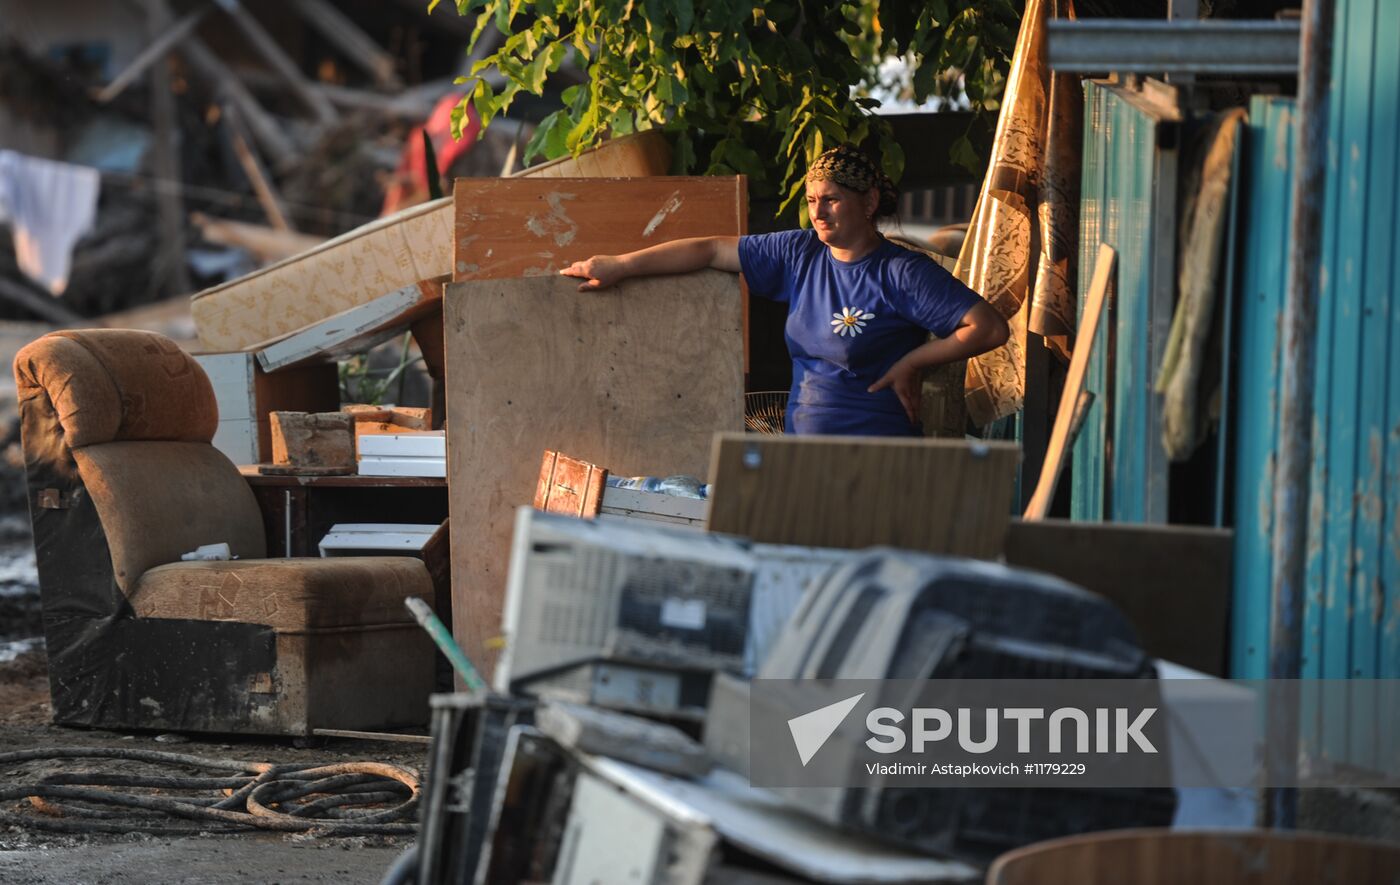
(116, 429)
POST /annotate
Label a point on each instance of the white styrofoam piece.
(376, 466)
(420, 444)
(238, 439)
(350, 329)
(417, 528)
(628, 502)
(231, 376)
(376, 537)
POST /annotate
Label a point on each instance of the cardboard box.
(315, 442)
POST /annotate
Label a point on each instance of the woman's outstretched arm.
(677, 256)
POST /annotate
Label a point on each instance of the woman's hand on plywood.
(597, 272)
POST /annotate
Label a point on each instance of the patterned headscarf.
(849, 167)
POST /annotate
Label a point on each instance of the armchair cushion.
(289, 595)
(158, 500)
(118, 384)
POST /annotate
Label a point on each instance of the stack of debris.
(217, 150)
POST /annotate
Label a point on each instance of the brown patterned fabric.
(849, 167)
(1023, 238)
(118, 384)
(289, 595)
(160, 499)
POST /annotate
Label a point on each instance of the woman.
(859, 307)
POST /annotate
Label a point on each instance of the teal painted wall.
(1351, 618)
(1119, 206)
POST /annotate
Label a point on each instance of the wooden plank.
(637, 155)
(527, 227)
(1058, 449)
(1163, 857)
(569, 485)
(268, 244)
(937, 495)
(637, 378)
(268, 196)
(162, 36)
(355, 330)
(1173, 582)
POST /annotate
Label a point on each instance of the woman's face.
(840, 216)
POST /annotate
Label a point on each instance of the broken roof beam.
(280, 62)
(269, 135)
(158, 48)
(268, 196)
(267, 244)
(347, 36)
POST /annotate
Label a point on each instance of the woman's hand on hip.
(907, 379)
(597, 272)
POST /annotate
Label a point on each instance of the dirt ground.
(44, 858)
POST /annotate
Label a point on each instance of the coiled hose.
(342, 799)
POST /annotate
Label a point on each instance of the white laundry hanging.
(49, 206)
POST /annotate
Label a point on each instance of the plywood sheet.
(522, 227)
(1173, 582)
(637, 377)
(936, 495)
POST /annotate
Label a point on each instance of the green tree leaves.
(742, 86)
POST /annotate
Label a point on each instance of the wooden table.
(299, 510)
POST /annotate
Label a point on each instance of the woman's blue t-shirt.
(848, 323)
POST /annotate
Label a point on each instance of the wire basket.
(764, 411)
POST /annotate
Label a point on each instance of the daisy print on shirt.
(850, 321)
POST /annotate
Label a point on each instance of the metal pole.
(1295, 422)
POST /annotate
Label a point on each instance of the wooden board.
(1173, 582)
(638, 378)
(936, 495)
(1062, 435)
(1163, 857)
(569, 486)
(638, 155)
(524, 227)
